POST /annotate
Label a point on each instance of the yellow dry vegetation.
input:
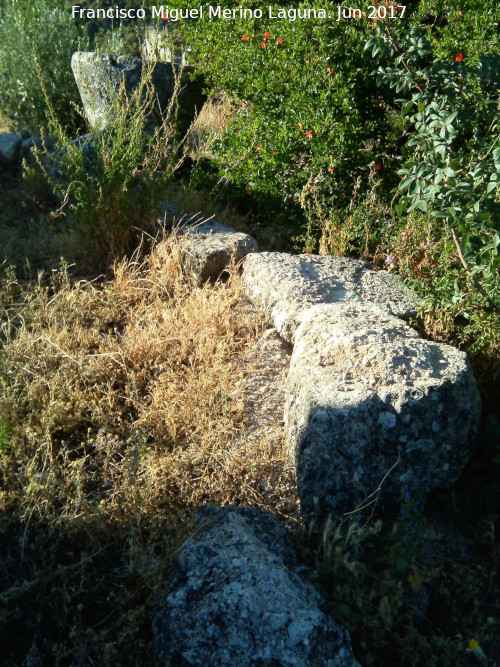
(120, 397)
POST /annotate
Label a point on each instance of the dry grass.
(119, 416)
(4, 126)
(128, 385)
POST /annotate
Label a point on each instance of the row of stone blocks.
(373, 411)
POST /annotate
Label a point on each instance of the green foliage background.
(37, 41)
(385, 133)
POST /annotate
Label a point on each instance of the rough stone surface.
(236, 598)
(99, 78)
(284, 286)
(209, 248)
(369, 402)
(264, 369)
(10, 145)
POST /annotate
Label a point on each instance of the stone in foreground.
(209, 249)
(283, 287)
(371, 404)
(236, 599)
(100, 77)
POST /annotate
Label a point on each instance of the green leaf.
(406, 108)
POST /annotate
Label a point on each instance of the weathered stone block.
(10, 145)
(285, 286)
(370, 404)
(100, 77)
(235, 598)
(209, 248)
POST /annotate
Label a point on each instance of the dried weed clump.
(120, 398)
(120, 415)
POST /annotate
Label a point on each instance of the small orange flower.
(263, 44)
(245, 38)
(199, 55)
(310, 134)
(301, 125)
(315, 61)
(164, 17)
(280, 40)
(249, 191)
(258, 149)
(267, 35)
(329, 69)
(459, 57)
(330, 170)
(378, 166)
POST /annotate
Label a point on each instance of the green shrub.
(304, 116)
(36, 44)
(451, 158)
(368, 127)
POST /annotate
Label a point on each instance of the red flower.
(245, 38)
(329, 170)
(280, 40)
(249, 191)
(263, 44)
(267, 35)
(378, 166)
(164, 17)
(310, 134)
(459, 57)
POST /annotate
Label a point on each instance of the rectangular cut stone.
(209, 248)
(285, 286)
(370, 404)
(100, 78)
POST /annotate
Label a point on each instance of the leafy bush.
(303, 118)
(452, 159)
(36, 44)
(367, 125)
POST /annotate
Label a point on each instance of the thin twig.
(476, 282)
